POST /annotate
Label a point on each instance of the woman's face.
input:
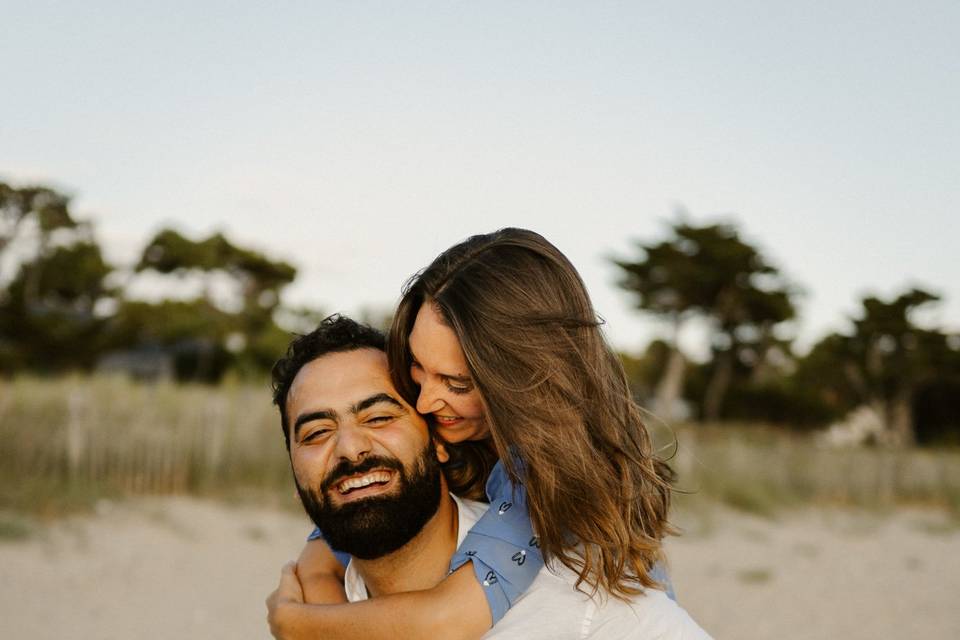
(446, 388)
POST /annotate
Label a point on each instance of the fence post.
(76, 432)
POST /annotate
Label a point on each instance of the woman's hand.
(283, 602)
(320, 574)
(456, 609)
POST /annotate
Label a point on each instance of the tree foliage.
(711, 272)
(170, 252)
(884, 362)
(43, 206)
(61, 309)
(48, 319)
(247, 339)
(52, 312)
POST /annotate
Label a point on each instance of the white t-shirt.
(552, 609)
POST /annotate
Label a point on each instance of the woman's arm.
(320, 574)
(456, 608)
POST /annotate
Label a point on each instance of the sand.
(185, 568)
(822, 574)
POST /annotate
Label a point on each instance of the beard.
(373, 527)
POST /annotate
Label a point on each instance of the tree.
(52, 311)
(192, 334)
(936, 412)
(260, 279)
(48, 317)
(46, 208)
(883, 362)
(248, 331)
(709, 272)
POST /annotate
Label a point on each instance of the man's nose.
(429, 399)
(353, 442)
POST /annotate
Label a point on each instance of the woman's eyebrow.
(449, 376)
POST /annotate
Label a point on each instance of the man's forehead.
(342, 378)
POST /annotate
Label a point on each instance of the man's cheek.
(307, 477)
(312, 460)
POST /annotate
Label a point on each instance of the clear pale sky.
(358, 140)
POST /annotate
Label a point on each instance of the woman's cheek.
(481, 432)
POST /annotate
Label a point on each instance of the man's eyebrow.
(366, 403)
(303, 418)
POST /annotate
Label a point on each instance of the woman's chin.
(454, 435)
(466, 430)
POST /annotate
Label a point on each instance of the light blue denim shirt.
(505, 552)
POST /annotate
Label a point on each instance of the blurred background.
(761, 201)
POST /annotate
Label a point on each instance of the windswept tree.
(58, 310)
(40, 207)
(48, 317)
(882, 363)
(709, 272)
(260, 279)
(247, 329)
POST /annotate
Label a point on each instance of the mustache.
(346, 469)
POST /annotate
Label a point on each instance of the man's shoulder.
(554, 608)
(549, 608)
(470, 510)
(651, 614)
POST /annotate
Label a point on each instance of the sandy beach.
(188, 568)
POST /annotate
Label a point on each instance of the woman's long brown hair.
(560, 412)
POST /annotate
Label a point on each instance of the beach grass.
(763, 470)
(66, 443)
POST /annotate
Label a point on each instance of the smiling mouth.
(366, 483)
(447, 420)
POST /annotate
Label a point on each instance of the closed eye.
(315, 434)
(456, 386)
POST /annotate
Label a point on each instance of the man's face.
(365, 466)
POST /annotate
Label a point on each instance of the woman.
(498, 341)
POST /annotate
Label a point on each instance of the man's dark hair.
(334, 334)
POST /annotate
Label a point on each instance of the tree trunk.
(670, 387)
(899, 419)
(718, 385)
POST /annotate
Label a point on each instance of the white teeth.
(363, 481)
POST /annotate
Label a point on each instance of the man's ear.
(441, 448)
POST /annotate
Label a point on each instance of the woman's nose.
(429, 400)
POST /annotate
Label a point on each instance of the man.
(368, 473)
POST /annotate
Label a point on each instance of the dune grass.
(763, 470)
(66, 443)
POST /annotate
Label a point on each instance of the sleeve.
(342, 556)
(504, 550)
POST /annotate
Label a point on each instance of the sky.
(358, 140)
